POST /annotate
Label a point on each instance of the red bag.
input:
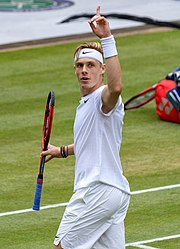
(167, 97)
(164, 109)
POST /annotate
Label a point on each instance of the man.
(94, 217)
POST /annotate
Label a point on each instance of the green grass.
(149, 150)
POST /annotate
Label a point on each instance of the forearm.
(113, 69)
(71, 149)
(114, 75)
(111, 93)
(66, 150)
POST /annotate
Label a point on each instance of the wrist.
(64, 151)
(108, 46)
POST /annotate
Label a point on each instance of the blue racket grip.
(37, 197)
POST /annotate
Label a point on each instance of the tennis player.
(94, 217)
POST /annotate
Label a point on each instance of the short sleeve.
(98, 102)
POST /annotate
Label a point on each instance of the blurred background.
(27, 20)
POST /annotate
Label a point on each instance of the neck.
(86, 91)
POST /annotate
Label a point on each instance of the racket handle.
(37, 196)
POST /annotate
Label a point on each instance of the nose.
(84, 69)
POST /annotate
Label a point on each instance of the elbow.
(117, 88)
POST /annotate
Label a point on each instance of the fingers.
(101, 20)
(98, 10)
(45, 153)
(97, 20)
(48, 151)
(95, 17)
(93, 27)
(52, 152)
(49, 159)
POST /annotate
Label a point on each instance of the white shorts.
(94, 219)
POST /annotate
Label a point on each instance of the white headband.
(89, 53)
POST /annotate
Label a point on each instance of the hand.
(52, 152)
(100, 25)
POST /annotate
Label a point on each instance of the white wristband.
(108, 46)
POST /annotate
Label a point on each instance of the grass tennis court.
(149, 154)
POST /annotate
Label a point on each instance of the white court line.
(146, 247)
(65, 204)
(141, 243)
(155, 189)
(31, 210)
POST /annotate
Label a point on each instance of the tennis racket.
(141, 98)
(46, 131)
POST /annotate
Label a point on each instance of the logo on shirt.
(86, 100)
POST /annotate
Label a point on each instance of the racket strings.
(141, 98)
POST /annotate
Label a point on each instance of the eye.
(90, 64)
(79, 65)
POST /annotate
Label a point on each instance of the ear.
(103, 68)
(74, 69)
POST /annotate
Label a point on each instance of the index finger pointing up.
(96, 16)
(98, 10)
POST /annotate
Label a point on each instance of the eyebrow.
(89, 61)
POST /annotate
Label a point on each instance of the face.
(89, 73)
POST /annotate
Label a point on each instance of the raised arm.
(110, 95)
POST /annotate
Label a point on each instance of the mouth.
(84, 79)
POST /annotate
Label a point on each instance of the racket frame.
(46, 132)
(140, 94)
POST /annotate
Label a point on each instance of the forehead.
(87, 60)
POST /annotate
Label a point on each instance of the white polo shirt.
(97, 140)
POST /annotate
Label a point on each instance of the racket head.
(48, 119)
(47, 127)
(140, 98)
